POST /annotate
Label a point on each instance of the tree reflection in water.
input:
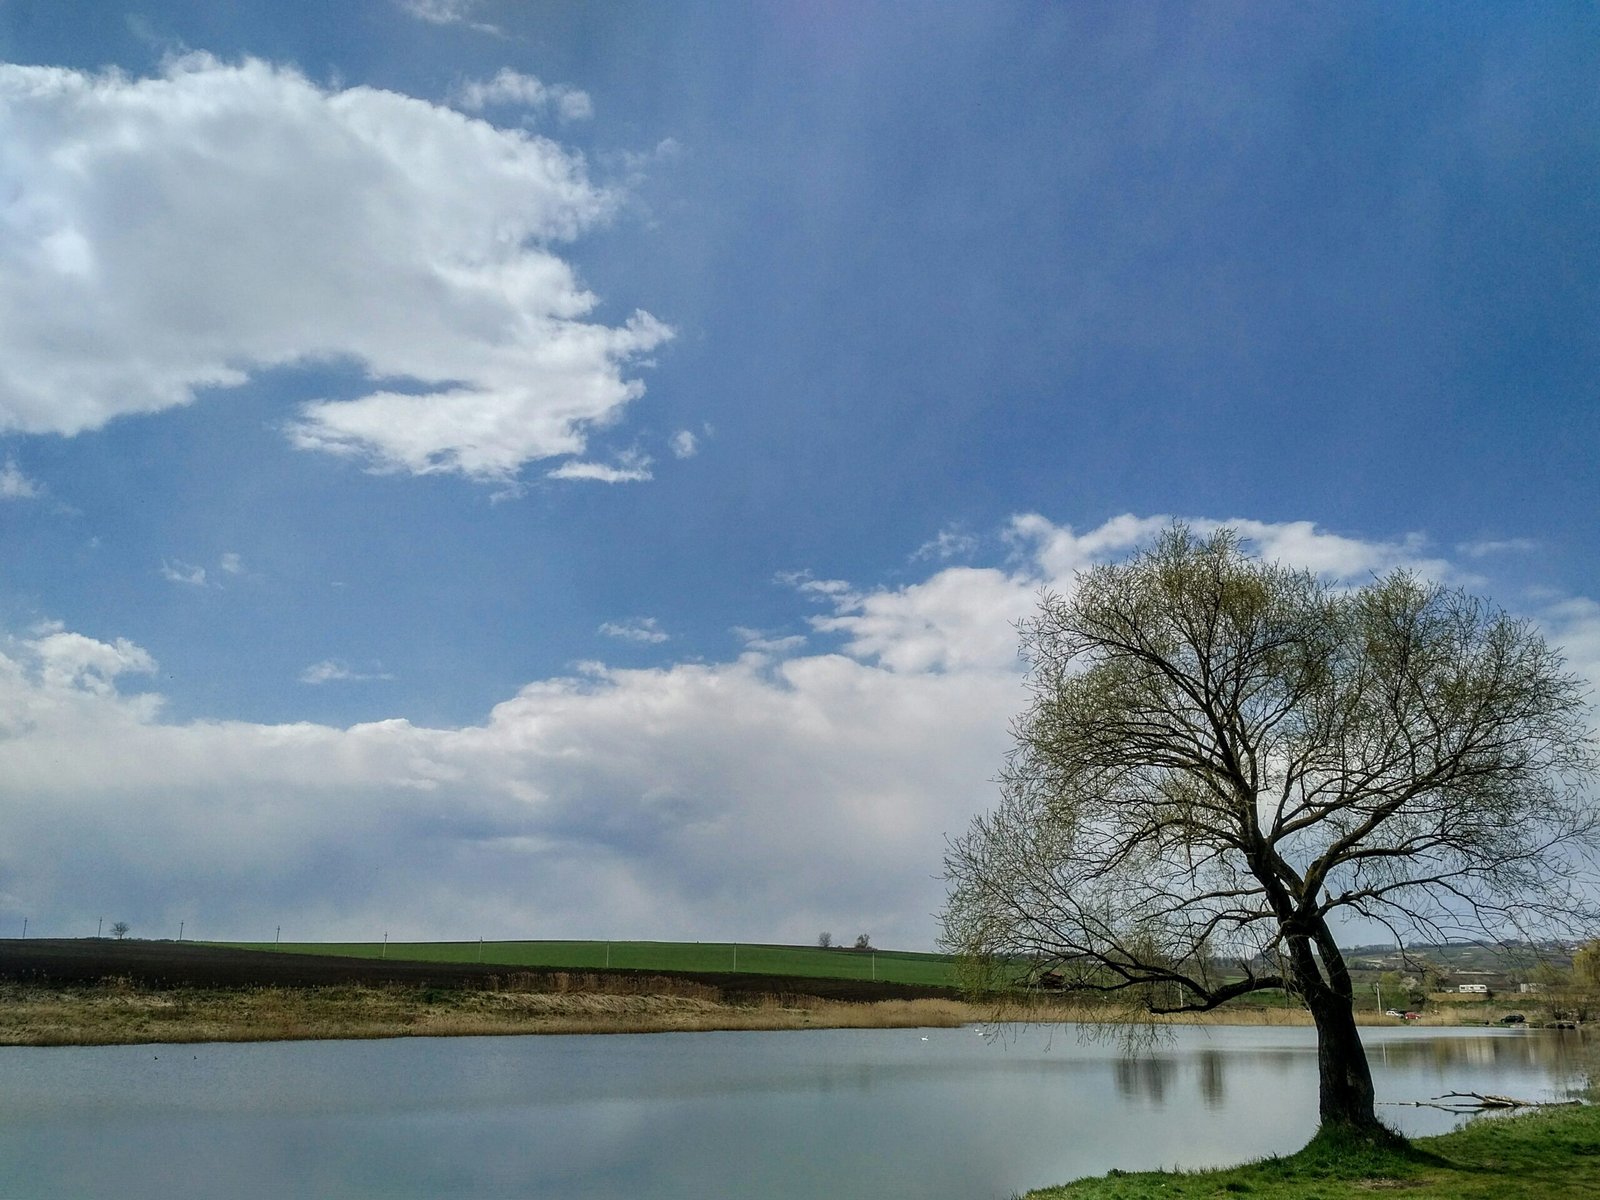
(1569, 1059)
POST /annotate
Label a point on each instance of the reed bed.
(116, 1012)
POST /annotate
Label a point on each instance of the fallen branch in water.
(1472, 1102)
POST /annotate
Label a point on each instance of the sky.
(492, 468)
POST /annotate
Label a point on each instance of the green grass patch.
(1543, 1155)
(891, 966)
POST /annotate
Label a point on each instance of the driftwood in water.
(1472, 1102)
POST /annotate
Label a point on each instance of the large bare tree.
(1226, 761)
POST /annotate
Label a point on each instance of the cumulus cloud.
(684, 444)
(14, 485)
(514, 88)
(232, 564)
(636, 629)
(167, 236)
(1060, 551)
(796, 787)
(962, 618)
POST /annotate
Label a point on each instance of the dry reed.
(117, 1012)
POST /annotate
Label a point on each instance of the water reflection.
(928, 1114)
(1212, 1090)
(1145, 1078)
(1564, 1061)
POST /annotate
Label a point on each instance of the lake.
(881, 1113)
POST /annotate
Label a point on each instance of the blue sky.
(542, 470)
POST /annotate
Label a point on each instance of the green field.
(892, 966)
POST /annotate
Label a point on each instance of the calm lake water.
(880, 1113)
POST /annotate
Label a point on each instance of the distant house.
(1475, 989)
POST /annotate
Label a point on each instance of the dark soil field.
(163, 964)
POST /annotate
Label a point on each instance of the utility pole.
(99, 925)
(384, 953)
(180, 931)
(24, 926)
(276, 934)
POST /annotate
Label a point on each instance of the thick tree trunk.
(1344, 1078)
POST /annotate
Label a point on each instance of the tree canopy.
(1225, 760)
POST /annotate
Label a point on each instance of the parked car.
(1411, 1016)
(1393, 1012)
(1513, 1019)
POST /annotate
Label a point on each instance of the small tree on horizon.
(1224, 759)
(863, 942)
(120, 930)
(825, 940)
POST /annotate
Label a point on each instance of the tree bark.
(1344, 1079)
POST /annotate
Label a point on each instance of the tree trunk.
(1344, 1078)
(1345, 1094)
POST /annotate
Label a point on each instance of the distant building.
(1476, 989)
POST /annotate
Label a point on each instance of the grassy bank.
(117, 1011)
(114, 1013)
(1542, 1155)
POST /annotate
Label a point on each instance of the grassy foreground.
(1550, 1154)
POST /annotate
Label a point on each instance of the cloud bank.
(806, 784)
(162, 238)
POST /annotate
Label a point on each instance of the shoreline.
(117, 1012)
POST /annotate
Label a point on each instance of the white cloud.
(1573, 623)
(71, 660)
(763, 643)
(630, 468)
(950, 543)
(1302, 544)
(232, 564)
(513, 88)
(178, 571)
(1059, 551)
(769, 796)
(14, 485)
(962, 618)
(637, 629)
(333, 671)
(684, 444)
(448, 12)
(170, 235)
(740, 799)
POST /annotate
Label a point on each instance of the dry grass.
(115, 1013)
